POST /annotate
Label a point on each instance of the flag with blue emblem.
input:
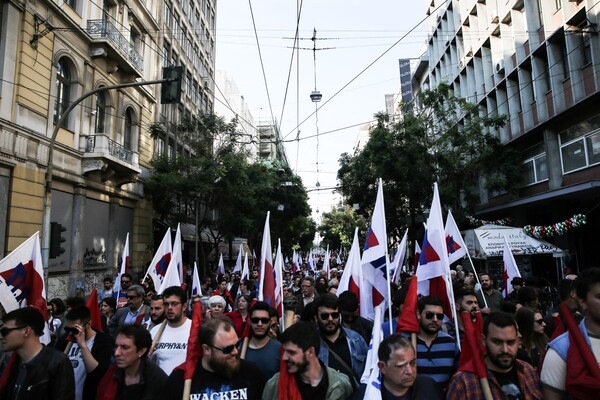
(158, 266)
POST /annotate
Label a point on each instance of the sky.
(354, 34)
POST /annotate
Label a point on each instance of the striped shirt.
(439, 361)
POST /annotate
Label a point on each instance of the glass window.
(593, 148)
(100, 112)
(127, 140)
(536, 169)
(573, 156)
(63, 89)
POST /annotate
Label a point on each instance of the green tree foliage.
(337, 227)
(233, 194)
(445, 140)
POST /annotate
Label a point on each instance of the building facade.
(538, 62)
(52, 53)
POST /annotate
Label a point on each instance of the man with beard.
(307, 295)
(437, 352)
(341, 348)
(314, 380)
(508, 377)
(171, 346)
(262, 350)
(157, 312)
(465, 300)
(493, 298)
(219, 374)
(350, 317)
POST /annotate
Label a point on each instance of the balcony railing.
(114, 148)
(101, 28)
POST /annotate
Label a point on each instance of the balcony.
(108, 42)
(108, 160)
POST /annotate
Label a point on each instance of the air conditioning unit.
(469, 51)
(494, 17)
(499, 67)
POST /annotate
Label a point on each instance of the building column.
(111, 240)
(77, 245)
(553, 162)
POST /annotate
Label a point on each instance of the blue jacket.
(358, 351)
(561, 343)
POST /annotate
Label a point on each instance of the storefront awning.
(488, 241)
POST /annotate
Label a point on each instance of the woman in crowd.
(240, 315)
(533, 339)
(108, 307)
(56, 308)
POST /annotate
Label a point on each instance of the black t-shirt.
(319, 392)
(340, 346)
(509, 382)
(248, 383)
(387, 395)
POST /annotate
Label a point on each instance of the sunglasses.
(125, 282)
(5, 331)
(539, 321)
(71, 331)
(430, 315)
(256, 320)
(325, 315)
(225, 350)
(132, 297)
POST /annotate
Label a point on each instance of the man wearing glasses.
(341, 348)
(219, 374)
(262, 350)
(90, 353)
(121, 293)
(437, 352)
(40, 372)
(136, 311)
(171, 345)
(307, 295)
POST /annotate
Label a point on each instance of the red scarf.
(108, 386)
(287, 387)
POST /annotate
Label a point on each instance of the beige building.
(53, 52)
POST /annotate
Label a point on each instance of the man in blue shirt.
(437, 352)
(262, 350)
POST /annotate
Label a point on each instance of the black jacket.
(49, 377)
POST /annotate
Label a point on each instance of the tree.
(231, 194)
(443, 139)
(337, 227)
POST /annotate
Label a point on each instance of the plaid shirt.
(466, 385)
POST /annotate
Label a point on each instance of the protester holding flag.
(466, 300)
(437, 352)
(570, 366)
(508, 377)
(303, 376)
(219, 372)
(90, 353)
(222, 291)
(136, 311)
(48, 374)
(171, 339)
(493, 298)
(132, 376)
(240, 315)
(398, 377)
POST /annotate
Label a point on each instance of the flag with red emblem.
(158, 266)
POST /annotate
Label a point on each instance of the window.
(63, 89)
(188, 84)
(128, 136)
(580, 145)
(191, 12)
(72, 4)
(536, 169)
(100, 113)
(165, 60)
(168, 16)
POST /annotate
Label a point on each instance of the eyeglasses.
(132, 297)
(225, 350)
(125, 282)
(540, 321)
(430, 315)
(306, 286)
(325, 315)
(171, 303)
(71, 331)
(5, 331)
(256, 320)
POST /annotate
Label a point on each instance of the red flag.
(194, 349)
(408, 318)
(472, 352)
(92, 304)
(287, 387)
(583, 373)
(266, 291)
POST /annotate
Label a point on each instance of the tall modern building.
(538, 62)
(52, 53)
(272, 148)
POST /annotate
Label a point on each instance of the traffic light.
(170, 92)
(56, 239)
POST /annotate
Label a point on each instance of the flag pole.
(450, 290)
(485, 387)
(387, 264)
(477, 277)
(157, 337)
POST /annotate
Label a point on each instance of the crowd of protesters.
(532, 349)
